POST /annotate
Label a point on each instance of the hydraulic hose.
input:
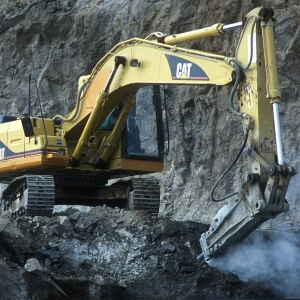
(237, 67)
(167, 120)
(226, 171)
(232, 93)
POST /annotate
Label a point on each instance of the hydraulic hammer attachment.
(247, 211)
(262, 197)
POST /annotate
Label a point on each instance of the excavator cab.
(143, 134)
(142, 137)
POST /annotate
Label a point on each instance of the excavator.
(116, 130)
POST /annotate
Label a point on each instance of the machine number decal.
(182, 69)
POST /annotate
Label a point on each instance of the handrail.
(39, 100)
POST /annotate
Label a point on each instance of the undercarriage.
(36, 195)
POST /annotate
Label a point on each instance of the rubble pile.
(106, 253)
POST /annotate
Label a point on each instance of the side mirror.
(27, 127)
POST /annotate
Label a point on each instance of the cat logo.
(182, 69)
(2, 153)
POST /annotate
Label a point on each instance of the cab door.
(143, 134)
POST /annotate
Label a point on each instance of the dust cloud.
(269, 256)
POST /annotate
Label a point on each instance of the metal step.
(146, 195)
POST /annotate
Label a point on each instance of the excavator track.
(35, 195)
(146, 195)
(30, 195)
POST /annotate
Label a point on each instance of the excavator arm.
(262, 197)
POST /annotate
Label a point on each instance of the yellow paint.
(144, 166)
(35, 163)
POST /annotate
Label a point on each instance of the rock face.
(62, 40)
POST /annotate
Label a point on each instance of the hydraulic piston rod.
(97, 115)
(273, 93)
(232, 26)
(278, 133)
(207, 32)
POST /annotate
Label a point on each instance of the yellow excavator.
(116, 130)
